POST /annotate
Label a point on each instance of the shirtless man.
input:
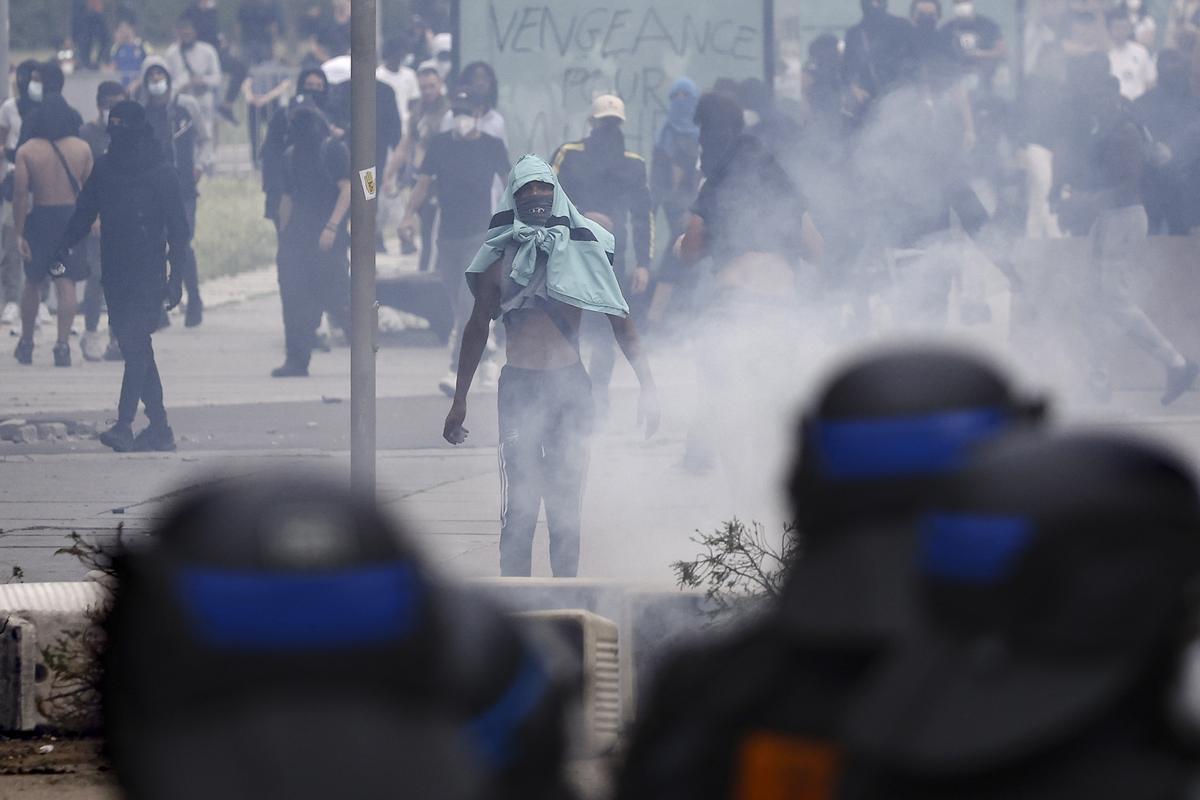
(543, 264)
(51, 166)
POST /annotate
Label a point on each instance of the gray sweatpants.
(1116, 244)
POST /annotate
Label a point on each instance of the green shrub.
(231, 234)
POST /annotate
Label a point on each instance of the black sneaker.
(155, 439)
(290, 370)
(24, 351)
(62, 354)
(1180, 380)
(226, 112)
(194, 315)
(119, 437)
(113, 351)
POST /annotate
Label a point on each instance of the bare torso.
(48, 180)
(533, 339)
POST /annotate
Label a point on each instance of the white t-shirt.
(1132, 65)
(404, 84)
(11, 118)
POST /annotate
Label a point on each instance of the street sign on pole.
(363, 191)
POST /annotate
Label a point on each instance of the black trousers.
(311, 282)
(545, 423)
(133, 325)
(191, 271)
(90, 32)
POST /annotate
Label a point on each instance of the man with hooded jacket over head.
(542, 266)
(135, 193)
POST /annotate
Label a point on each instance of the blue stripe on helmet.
(300, 610)
(972, 548)
(899, 446)
(493, 730)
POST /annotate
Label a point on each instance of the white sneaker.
(447, 384)
(10, 314)
(92, 346)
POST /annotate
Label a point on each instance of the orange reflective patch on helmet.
(773, 766)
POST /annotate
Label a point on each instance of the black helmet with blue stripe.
(280, 637)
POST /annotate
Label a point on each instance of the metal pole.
(362, 247)
(1019, 55)
(4, 33)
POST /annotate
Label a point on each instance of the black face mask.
(927, 23)
(317, 96)
(535, 210)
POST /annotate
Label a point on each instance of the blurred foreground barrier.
(1164, 281)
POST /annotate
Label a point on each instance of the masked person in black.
(313, 259)
(177, 121)
(95, 133)
(312, 87)
(880, 55)
(609, 184)
(134, 192)
(726, 719)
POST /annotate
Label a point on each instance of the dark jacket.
(616, 187)
(141, 216)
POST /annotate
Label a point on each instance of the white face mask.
(35, 91)
(964, 9)
(464, 125)
(157, 88)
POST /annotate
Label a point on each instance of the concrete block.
(48, 647)
(604, 597)
(52, 430)
(26, 434)
(10, 429)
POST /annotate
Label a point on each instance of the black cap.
(1050, 581)
(876, 446)
(279, 637)
(464, 102)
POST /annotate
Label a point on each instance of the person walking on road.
(51, 167)
(134, 192)
(543, 265)
(314, 241)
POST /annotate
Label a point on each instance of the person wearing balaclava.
(314, 240)
(95, 133)
(753, 221)
(880, 55)
(134, 192)
(977, 43)
(177, 121)
(544, 263)
(312, 88)
(609, 184)
(1171, 115)
(12, 110)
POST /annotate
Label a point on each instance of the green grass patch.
(231, 234)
